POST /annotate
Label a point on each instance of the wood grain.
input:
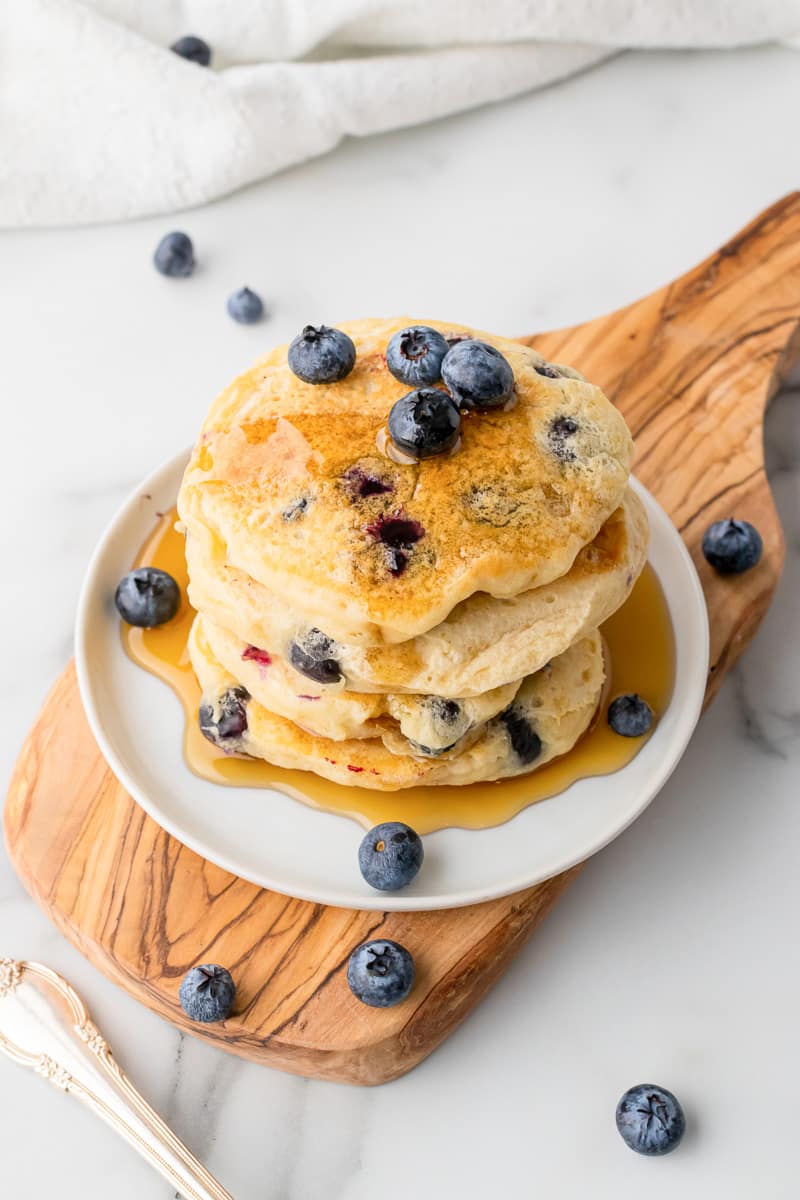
(692, 367)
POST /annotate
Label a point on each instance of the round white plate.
(280, 843)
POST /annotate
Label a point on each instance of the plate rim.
(380, 902)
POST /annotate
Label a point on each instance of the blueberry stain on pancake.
(363, 484)
(562, 429)
(399, 534)
(297, 509)
(255, 654)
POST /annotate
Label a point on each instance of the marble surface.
(674, 956)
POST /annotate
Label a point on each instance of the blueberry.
(525, 741)
(224, 723)
(414, 355)
(207, 993)
(449, 723)
(174, 255)
(322, 355)
(546, 370)
(147, 597)
(732, 546)
(445, 712)
(245, 306)
(313, 657)
(630, 715)
(380, 973)
(194, 49)
(424, 423)
(430, 751)
(390, 856)
(477, 375)
(650, 1119)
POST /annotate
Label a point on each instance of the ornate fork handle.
(80, 1062)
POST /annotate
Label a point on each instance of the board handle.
(692, 367)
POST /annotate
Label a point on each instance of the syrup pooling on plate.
(640, 658)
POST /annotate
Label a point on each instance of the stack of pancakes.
(388, 623)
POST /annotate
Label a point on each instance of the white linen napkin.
(100, 121)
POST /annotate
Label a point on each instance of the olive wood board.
(692, 367)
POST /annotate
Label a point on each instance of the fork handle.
(74, 1056)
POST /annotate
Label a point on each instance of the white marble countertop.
(674, 956)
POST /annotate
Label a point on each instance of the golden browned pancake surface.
(288, 483)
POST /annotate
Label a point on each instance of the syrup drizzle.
(640, 658)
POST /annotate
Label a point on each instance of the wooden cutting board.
(692, 367)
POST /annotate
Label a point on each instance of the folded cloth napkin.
(99, 120)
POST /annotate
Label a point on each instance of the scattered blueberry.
(313, 657)
(630, 715)
(732, 546)
(245, 306)
(562, 428)
(424, 423)
(194, 49)
(174, 255)
(380, 973)
(207, 993)
(224, 723)
(414, 355)
(390, 856)
(525, 741)
(546, 370)
(147, 597)
(650, 1119)
(322, 355)
(477, 375)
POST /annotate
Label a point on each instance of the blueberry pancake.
(549, 713)
(484, 642)
(289, 484)
(426, 723)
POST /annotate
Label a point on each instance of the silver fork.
(44, 1025)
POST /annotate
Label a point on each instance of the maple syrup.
(640, 657)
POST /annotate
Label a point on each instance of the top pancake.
(280, 472)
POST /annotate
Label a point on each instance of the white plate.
(280, 843)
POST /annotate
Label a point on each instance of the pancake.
(287, 486)
(549, 713)
(330, 711)
(483, 644)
